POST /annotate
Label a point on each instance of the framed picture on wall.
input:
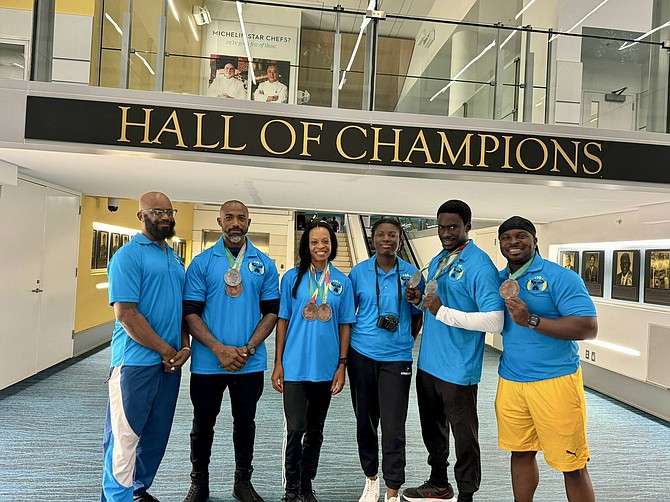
(101, 249)
(272, 80)
(569, 259)
(626, 275)
(125, 239)
(93, 248)
(592, 271)
(115, 245)
(657, 276)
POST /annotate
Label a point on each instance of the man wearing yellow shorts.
(540, 402)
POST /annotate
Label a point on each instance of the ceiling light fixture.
(453, 80)
(246, 41)
(524, 9)
(626, 45)
(580, 21)
(145, 63)
(116, 26)
(364, 24)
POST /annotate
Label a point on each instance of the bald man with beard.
(149, 347)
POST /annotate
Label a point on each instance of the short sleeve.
(195, 288)
(125, 276)
(270, 288)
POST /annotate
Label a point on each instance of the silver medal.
(232, 277)
(415, 280)
(431, 287)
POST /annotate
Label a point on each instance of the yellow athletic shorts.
(547, 416)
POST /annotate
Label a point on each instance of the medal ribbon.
(521, 271)
(446, 260)
(319, 287)
(235, 263)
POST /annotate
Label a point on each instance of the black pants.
(206, 395)
(305, 409)
(441, 405)
(380, 391)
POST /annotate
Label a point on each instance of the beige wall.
(277, 223)
(92, 307)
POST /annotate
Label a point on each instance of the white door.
(38, 256)
(59, 282)
(22, 230)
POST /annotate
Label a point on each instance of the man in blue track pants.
(149, 347)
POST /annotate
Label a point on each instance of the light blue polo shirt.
(232, 321)
(312, 349)
(142, 272)
(366, 338)
(470, 285)
(550, 291)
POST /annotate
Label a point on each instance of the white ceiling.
(324, 187)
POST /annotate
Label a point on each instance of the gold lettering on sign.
(484, 151)
(424, 148)
(198, 135)
(593, 157)
(226, 136)
(306, 137)
(338, 142)
(264, 138)
(519, 158)
(453, 158)
(395, 144)
(176, 129)
(571, 162)
(125, 124)
(506, 165)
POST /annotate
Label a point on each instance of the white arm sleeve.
(488, 322)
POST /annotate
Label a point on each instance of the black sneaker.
(465, 497)
(427, 492)
(244, 491)
(146, 497)
(292, 496)
(197, 493)
(308, 494)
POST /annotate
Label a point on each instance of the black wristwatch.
(533, 321)
(251, 350)
(342, 360)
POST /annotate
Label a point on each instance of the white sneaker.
(371, 490)
(392, 499)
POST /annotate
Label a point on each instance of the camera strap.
(397, 274)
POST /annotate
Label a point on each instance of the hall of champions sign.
(312, 140)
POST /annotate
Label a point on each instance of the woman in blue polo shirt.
(315, 313)
(380, 359)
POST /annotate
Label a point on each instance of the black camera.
(388, 322)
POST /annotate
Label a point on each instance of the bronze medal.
(234, 291)
(509, 289)
(309, 311)
(324, 312)
(232, 277)
(414, 281)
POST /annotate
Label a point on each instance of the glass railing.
(427, 63)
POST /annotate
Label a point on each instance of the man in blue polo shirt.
(231, 301)
(146, 279)
(462, 304)
(540, 401)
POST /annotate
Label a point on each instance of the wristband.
(342, 360)
(187, 348)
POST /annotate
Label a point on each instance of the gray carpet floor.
(51, 428)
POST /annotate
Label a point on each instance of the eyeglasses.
(159, 213)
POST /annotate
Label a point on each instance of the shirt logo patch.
(256, 267)
(536, 284)
(404, 278)
(335, 287)
(456, 272)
